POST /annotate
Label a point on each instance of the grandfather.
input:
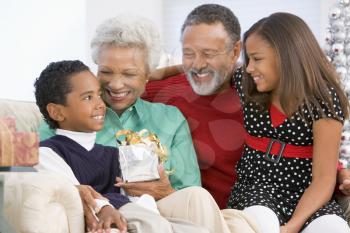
(210, 38)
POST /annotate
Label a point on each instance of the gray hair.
(128, 31)
(212, 14)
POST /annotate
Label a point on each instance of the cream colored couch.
(38, 202)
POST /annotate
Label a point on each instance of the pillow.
(17, 148)
(26, 113)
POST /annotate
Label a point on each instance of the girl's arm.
(165, 72)
(327, 134)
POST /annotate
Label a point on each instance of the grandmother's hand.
(344, 181)
(88, 196)
(158, 189)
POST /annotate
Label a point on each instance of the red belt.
(274, 149)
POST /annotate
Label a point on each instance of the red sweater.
(216, 124)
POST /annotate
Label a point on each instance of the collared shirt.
(170, 126)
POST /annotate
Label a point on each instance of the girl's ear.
(55, 111)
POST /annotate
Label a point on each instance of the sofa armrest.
(38, 202)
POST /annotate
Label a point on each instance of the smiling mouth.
(101, 117)
(257, 79)
(117, 95)
(201, 75)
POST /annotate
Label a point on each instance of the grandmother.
(126, 49)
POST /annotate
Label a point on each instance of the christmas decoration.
(337, 49)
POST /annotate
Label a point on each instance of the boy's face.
(84, 110)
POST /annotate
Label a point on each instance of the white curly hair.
(128, 31)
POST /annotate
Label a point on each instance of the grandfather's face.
(123, 75)
(208, 58)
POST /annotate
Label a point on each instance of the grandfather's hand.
(344, 181)
(109, 217)
(88, 195)
(158, 189)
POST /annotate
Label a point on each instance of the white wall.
(99, 10)
(33, 33)
(314, 12)
(36, 32)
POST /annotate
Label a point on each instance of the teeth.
(120, 94)
(256, 78)
(202, 75)
(98, 117)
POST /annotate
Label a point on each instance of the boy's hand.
(109, 217)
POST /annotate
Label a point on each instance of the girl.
(293, 108)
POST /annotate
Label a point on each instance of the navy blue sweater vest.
(98, 167)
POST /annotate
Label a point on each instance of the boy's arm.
(50, 161)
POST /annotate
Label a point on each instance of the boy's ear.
(55, 111)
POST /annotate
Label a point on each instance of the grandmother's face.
(123, 75)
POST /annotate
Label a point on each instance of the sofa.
(36, 202)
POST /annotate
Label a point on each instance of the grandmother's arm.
(165, 72)
(183, 158)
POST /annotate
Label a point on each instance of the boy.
(69, 98)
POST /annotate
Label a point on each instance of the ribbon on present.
(143, 137)
(17, 148)
(140, 153)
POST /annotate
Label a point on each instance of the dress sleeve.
(337, 114)
(183, 158)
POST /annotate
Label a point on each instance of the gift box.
(139, 155)
(17, 148)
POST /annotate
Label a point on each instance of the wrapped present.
(139, 155)
(17, 148)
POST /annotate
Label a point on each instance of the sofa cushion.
(42, 202)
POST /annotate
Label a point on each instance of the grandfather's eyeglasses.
(204, 54)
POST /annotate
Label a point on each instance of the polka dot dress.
(278, 186)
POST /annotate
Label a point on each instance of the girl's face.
(262, 64)
(123, 75)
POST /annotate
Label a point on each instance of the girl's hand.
(344, 181)
(288, 228)
(283, 229)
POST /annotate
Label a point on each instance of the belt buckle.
(274, 158)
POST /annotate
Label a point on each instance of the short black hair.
(212, 14)
(53, 85)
